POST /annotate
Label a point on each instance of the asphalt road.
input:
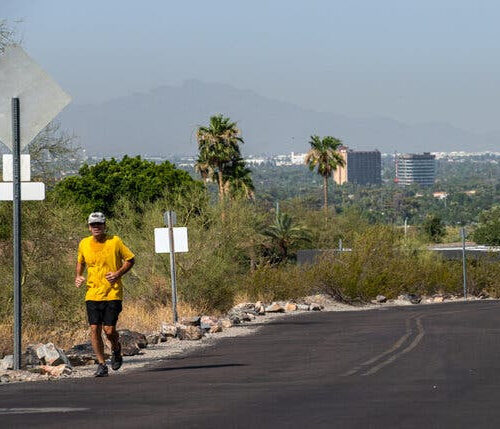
(435, 366)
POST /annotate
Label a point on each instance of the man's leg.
(113, 336)
(97, 344)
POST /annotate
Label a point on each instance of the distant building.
(412, 168)
(361, 167)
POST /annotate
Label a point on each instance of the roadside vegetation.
(241, 246)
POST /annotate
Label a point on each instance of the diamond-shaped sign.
(40, 98)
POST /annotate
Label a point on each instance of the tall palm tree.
(324, 155)
(218, 145)
(238, 181)
(286, 236)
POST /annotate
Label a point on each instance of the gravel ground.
(175, 347)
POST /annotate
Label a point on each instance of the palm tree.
(238, 181)
(218, 145)
(324, 156)
(285, 235)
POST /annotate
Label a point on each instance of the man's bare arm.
(126, 266)
(79, 279)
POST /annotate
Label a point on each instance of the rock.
(303, 307)
(315, 307)
(214, 329)
(438, 299)
(168, 330)
(275, 308)
(51, 355)
(7, 362)
(153, 338)
(81, 354)
(190, 333)
(245, 306)
(163, 337)
(290, 306)
(30, 358)
(191, 321)
(381, 299)
(209, 320)
(132, 342)
(139, 338)
(225, 323)
(56, 371)
(483, 295)
(411, 297)
(4, 378)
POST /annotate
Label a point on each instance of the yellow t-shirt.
(102, 258)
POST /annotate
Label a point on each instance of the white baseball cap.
(96, 217)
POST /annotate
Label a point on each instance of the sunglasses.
(95, 225)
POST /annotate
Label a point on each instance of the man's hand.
(79, 280)
(112, 278)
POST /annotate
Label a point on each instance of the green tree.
(218, 146)
(99, 187)
(285, 236)
(433, 228)
(325, 157)
(238, 180)
(488, 230)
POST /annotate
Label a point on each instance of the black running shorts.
(103, 312)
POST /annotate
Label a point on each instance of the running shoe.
(102, 370)
(116, 359)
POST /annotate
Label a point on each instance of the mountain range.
(163, 122)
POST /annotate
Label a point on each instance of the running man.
(107, 259)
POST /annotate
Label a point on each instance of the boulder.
(30, 358)
(275, 308)
(290, 306)
(81, 354)
(131, 342)
(153, 338)
(7, 362)
(381, 299)
(315, 307)
(438, 299)
(4, 378)
(56, 371)
(51, 355)
(483, 295)
(260, 308)
(168, 330)
(411, 297)
(303, 307)
(225, 323)
(190, 333)
(209, 320)
(131, 336)
(214, 329)
(245, 306)
(191, 321)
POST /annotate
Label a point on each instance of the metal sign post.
(169, 216)
(464, 261)
(16, 212)
(22, 80)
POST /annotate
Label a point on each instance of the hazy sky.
(415, 61)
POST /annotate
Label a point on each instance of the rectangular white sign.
(30, 191)
(8, 170)
(162, 244)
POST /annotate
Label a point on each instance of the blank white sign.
(8, 168)
(30, 191)
(162, 244)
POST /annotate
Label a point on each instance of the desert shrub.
(381, 263)
(270, 283)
